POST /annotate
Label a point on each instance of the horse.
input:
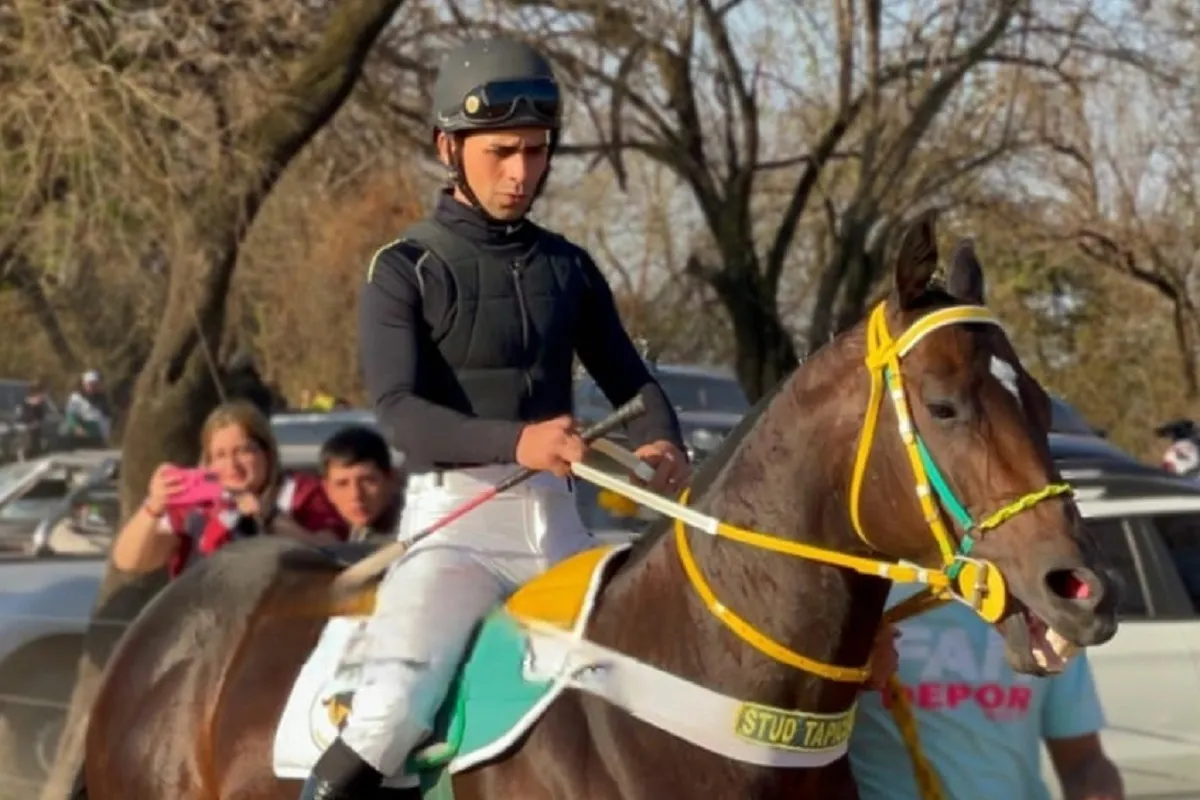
(192, 697)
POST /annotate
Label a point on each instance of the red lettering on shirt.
(996, 700)
(956, 693)
(1019, 697)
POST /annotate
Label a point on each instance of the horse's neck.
(775, 484)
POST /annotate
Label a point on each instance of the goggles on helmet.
(500, 101)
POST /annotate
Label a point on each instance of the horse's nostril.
(1072, 584)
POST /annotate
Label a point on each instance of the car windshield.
(1065, 419)
(35, 501)
(12, 393)
(312, 429)
(12, 474)
(698, 393)
(704, 393)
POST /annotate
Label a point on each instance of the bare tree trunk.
(176, 389)
(25, 279)
(765, 353)
(1186, 354)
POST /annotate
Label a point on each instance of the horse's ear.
(965, 278)
(916, 261)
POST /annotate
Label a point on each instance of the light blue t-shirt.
(981, 724)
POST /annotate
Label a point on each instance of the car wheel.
(35, 690)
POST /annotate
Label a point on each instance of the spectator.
(357, 472)
(257, 497)
(31, 414)
(87, 419)
(980, 724)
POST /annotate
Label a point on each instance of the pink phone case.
(199, 486)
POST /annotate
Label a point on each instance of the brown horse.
(191, 699)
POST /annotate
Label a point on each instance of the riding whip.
(359, 574)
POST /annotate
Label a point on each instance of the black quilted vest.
(501, 344)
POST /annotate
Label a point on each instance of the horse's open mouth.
(1034, 646)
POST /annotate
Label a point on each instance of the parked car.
(59, 514)
(1065, 418)
(313, 428)
(708, 401)
(32, 492)
(1147, 522)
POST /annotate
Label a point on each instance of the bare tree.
(675, 83)
(216, 104)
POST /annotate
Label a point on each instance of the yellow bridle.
(980, 583)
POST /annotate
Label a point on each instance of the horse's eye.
(942, 410)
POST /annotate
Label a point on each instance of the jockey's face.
(503, 168)
(240, 464)
(361, 492)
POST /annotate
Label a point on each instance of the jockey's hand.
(884, 658)
(165, 482)
(551, 446)
(671, 468)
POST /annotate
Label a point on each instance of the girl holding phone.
(239, 490)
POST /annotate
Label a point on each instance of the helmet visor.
(503, 101)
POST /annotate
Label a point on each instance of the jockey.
(468, 328)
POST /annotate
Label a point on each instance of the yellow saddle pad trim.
(557, 597)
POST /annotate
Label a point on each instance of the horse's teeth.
(1062, 648)
(1052, 651)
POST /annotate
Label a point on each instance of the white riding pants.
(430, 600)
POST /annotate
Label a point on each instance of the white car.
(1148, 524)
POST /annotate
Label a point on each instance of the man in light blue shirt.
(980, 723)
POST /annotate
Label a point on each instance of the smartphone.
(197, 487)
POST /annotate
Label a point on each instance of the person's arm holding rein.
(142, 545)
(389, 319)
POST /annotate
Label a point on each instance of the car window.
(11, 395)
(1181, 535)
(589, 400)
(305, 432)
(1115, 538)
(1065, 419)
(38, 500)
(704, 393)
(12, 474)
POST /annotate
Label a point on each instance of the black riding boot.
(340, 774)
